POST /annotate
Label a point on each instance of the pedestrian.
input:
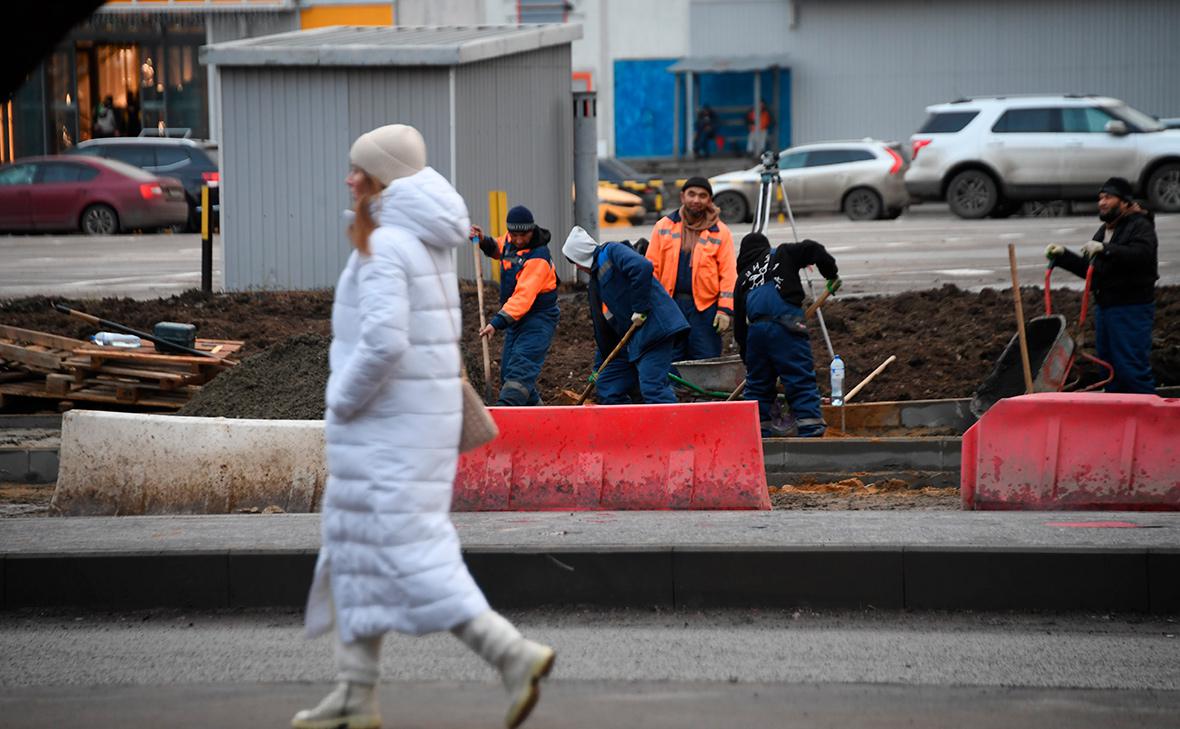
(705, 123)
(622, 293)
(390, 557)
(692, 256)
(758, 123)
(1124, 254)
(106, 119)
(771, 329)
(528, 304)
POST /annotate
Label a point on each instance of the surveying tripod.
(770, 178)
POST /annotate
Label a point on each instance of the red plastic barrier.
(1074, 451)
(691, 456)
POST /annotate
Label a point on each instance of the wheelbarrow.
(714, 378)
(1052, 353)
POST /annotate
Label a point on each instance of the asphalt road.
(615, 669)
(925, 248)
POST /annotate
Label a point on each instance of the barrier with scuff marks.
(1065, 451)
(688, 456)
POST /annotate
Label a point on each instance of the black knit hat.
(520, 220)
(1118, 187)
(700, 182)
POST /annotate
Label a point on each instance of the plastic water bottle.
(115, 339)
(837, 371)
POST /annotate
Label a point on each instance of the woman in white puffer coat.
(390, 557)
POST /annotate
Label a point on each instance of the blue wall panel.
(644, 96)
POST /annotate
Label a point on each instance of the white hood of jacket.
(426, 206)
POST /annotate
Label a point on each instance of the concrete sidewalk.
(912, 560)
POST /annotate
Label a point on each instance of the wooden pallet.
(49, 366)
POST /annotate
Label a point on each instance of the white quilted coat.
(390, 556)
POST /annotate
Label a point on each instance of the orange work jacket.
(714, 264)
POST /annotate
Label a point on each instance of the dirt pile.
(286, 382)
(946, 340)
(854, 494)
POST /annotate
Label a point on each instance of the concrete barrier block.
(132, 464)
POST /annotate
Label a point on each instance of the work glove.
(834, 285)
(1093, 248)
(637, 319)
(1053, 250)
(721, 322)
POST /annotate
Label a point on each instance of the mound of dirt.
(946, 340)
(853, 494)
(286, 382)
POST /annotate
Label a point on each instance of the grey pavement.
(79, 266)
(925, 248)
(912, 560)
(603, 530)
(928, 248)
(615, 668)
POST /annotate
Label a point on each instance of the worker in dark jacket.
(1124, 254)
(771, 330)
(528, 304)
(623, 293)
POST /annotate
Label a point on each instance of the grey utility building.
(494, 104)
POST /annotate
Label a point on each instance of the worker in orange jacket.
(692, 255)
(758, 129)
(528, 304)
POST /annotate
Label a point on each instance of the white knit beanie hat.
(579, 247)
(390, 152)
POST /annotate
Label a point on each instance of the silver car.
(864, 179)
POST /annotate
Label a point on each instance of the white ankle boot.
(522, 663)
(349, 706)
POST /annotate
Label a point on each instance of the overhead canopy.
(389, 46)
(724, 64)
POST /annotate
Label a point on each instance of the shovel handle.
(609, 358)
(483, 341)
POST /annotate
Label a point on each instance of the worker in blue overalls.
(624, 293)
(528, 304)
(771, 330)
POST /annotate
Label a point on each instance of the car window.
(1026, 121)
(91, 151)
(138, 155)
(1137, 120)
(211, 152)
(792, 161)
(1091, 120)
(17, 174)
(947, 122)
(58, 172)
(166, 156)
(825, 157)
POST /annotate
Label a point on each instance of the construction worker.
(692, 256)
(1125, 256)
(528, 304)
(623, 294)
(758, 123)
(771, 329)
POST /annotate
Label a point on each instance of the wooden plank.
(131, 355)
(58, 384)
(41, 360)
(48, 340)
(37, 389)
(129, 371)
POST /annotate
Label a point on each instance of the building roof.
(389, 45)
(723, 64)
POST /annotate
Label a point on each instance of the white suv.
(985, 156)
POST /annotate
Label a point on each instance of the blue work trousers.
(526, 345)
(774, 352)
(1123, 339)
(701, 341)
(648, 374)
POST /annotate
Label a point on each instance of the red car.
(94, 195)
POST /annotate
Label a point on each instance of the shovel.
(609, 358)
(487, 358)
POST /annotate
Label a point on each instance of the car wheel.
(972, 194)
(99, 220)
(1163, 189)
(862, 204)
(733, 207)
